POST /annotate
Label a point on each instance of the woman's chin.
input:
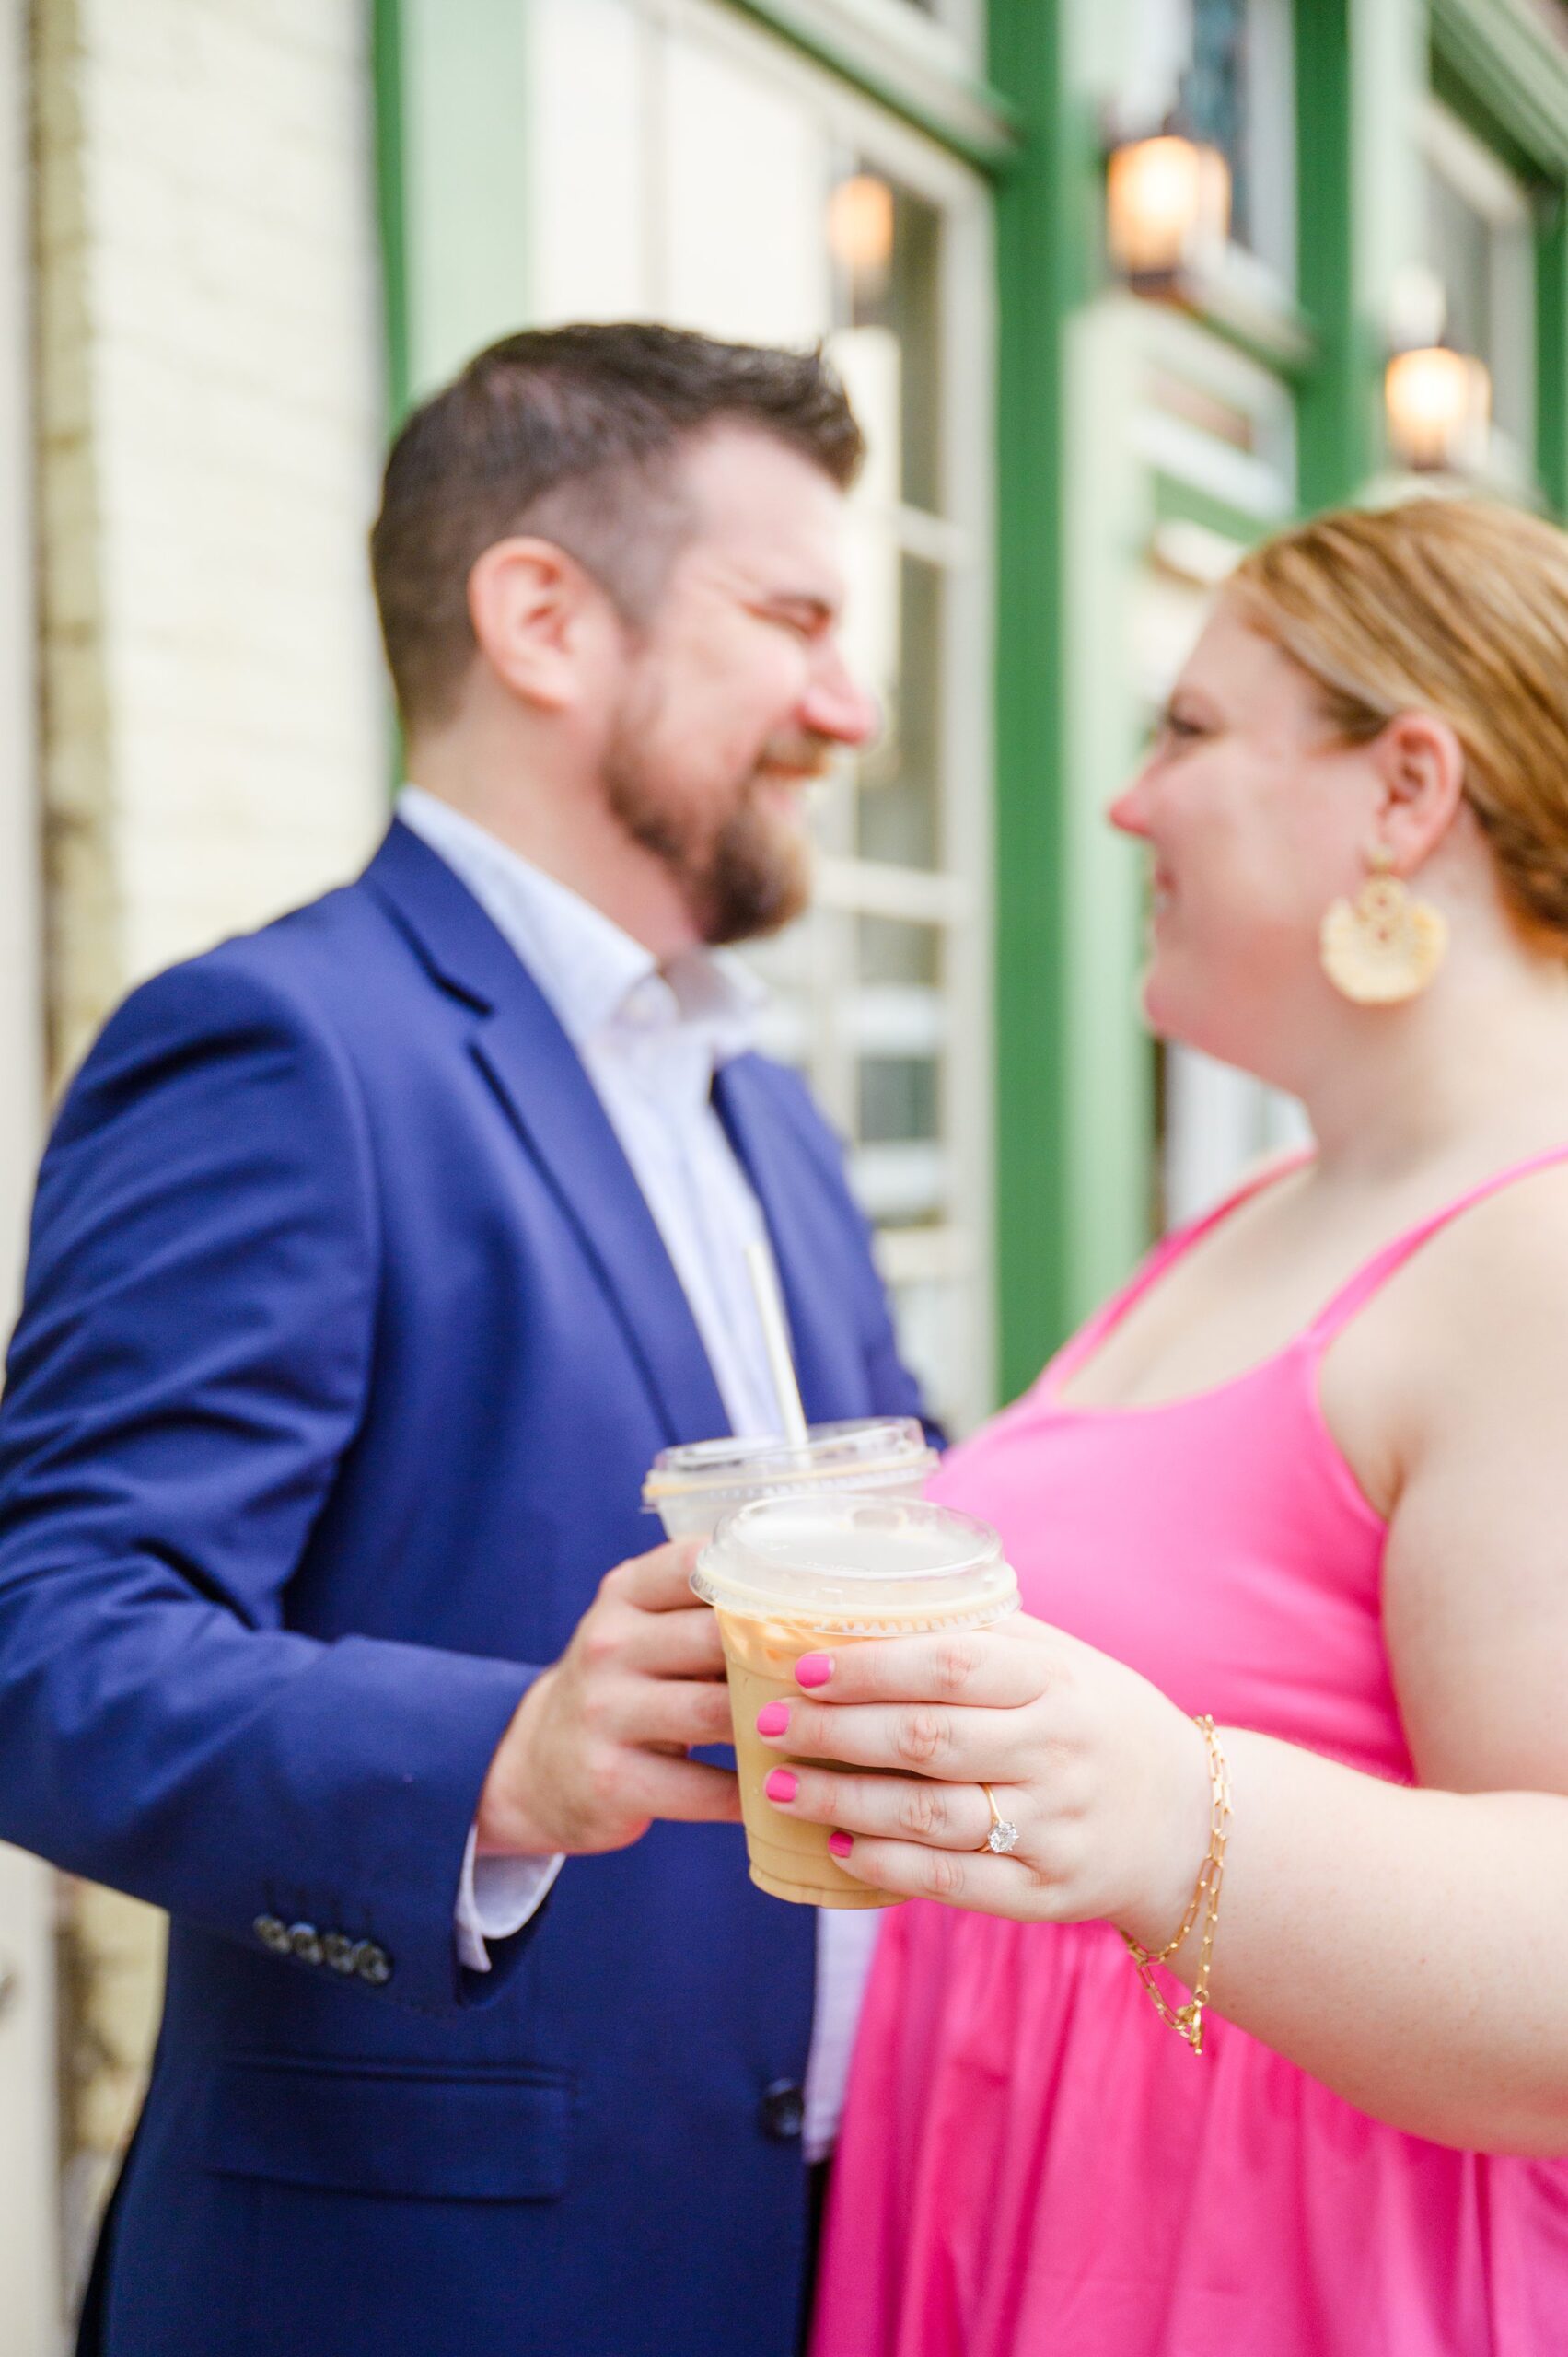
(1182, 1018)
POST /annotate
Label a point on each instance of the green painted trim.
(973, 119)
(1336, 414)
(1039, 277)
(387, 84)
(1504, 54)
(1074, 1094)
(463, 178)
(1551, 352)
(1174, 501)
(1283, 339)
(387, 98)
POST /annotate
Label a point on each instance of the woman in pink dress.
(1306, 1476)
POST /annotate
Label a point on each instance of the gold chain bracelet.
(1188, 2020)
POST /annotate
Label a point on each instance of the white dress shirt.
(650, 1038)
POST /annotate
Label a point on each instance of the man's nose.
(836, 704)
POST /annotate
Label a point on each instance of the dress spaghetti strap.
(1375, 1274)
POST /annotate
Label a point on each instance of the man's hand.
(596, 1749)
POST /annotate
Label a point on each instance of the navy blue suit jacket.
(346, 1341)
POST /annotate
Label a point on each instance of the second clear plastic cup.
(693, 1488)
(794, 1576)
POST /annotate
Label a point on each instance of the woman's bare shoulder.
(1489, 1294)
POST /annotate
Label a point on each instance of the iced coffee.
(814, 1574)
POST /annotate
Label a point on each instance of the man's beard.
(748, 873)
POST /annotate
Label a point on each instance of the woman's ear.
(1421, 770)
(533, 611)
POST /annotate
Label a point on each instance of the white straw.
(770, 1310)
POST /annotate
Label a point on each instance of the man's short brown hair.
(573, 434)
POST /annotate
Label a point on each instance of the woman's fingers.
(996, 1668)
(982, 1884)
(959, 1747)
(948, 1816)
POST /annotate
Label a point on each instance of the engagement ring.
(1003, 1833)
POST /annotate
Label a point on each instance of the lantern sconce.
(1168, 211)
(862, 224)
(1437, 401)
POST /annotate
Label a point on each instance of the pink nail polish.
(840, 1844)
(782, 1784)
(773, 1718)
(813, 1669)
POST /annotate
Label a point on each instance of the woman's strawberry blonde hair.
(1454, 606)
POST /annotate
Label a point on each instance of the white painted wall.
(213, 411)
(29, 2254)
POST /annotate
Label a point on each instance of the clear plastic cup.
(693, 1488)
(811, 1573)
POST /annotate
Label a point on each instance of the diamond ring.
(1003, 1833)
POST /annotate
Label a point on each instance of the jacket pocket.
(500, 2134)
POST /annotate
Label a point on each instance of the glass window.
(1480, 252)
(1221, 71)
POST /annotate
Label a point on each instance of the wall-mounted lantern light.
(861, 228)
(1439, 408)
(1168, 209)
(1437, 402)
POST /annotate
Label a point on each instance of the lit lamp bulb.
(1167, 206)
(860, 225)
(1439, 408)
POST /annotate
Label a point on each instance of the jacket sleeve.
(191, 1362)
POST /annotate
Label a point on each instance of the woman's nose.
(1129, 813)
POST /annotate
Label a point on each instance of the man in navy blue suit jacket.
(359, 1303)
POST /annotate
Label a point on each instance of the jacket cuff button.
(341, 1953)
(783, 2111)
(373, 1964)
(272, 1933)
(305, 1942)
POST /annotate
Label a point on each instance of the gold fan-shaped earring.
(1383, 946)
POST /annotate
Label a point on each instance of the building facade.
(238, 236)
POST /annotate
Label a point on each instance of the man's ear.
(536, 614)
(1421, 770)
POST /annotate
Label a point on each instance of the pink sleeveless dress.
(1033, 2164)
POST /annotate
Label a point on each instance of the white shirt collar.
(592, 973)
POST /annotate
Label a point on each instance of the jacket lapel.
(539, 1077)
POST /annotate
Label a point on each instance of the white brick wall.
(211, 422)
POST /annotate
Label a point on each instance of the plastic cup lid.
(865, 1449)
(864, 1565)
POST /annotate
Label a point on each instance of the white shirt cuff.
(496, 1897)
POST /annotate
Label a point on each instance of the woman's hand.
(1106, 1780)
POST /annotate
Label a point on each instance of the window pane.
(1480, 245)
(897, 813)
(897, 1099)
(1221, 71)
(894, 951)
(883, 241)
